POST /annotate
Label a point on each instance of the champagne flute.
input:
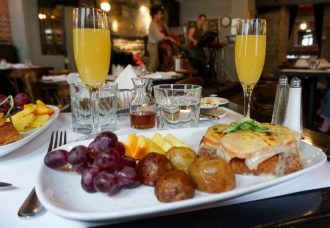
(250, 50)
(91, 45)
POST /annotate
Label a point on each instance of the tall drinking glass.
(91, 45)
(250, 50)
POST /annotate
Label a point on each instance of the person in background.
(196, 53)
(324, 112)
(157, 31)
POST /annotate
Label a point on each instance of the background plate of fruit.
(21, 121)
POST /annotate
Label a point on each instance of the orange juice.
(92, 54)
(250, 53)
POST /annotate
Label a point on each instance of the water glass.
(178, 105)
(81, 107)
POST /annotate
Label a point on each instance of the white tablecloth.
(21, 167)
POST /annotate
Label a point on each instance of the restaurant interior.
(39, 33)
(38, 58)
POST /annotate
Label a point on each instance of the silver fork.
(32, 205)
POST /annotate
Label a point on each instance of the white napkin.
(55, 78)
(73, 77)
(124, 78)
(161, 74)
(19, 66)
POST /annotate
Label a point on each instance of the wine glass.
(91, 45)
(250, 50)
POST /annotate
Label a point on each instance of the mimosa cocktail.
(91, 44)
(250, 51)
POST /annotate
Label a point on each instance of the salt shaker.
(293, 114)
(281, 100)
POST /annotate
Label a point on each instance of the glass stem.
(95, 112)
(248, 89)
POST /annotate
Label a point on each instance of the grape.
(79, 168)
(87, 178)
(56, 159)
(109, 135)
(107, 161)
(107, 182)
(126, 161)
(21, 99)
(4, 107)
(16, 110)
(79, 155)
(99, 145)
(120, 148)
(128, 177)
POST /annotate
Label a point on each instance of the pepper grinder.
(281, 100)
(293, 114)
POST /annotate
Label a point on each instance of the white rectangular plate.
(27, 136)
(61, 193)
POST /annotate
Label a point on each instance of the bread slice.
(8, 133)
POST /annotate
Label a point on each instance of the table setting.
(90, 167)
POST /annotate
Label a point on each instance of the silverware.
(4, 184)
(32, 205)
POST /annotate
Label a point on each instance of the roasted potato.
(152, 166)
(174, 186)
(181, 157)
(212, 174)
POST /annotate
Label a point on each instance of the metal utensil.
(4, 184)
(32, 205)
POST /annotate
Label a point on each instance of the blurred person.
(195, 32)
(157, 33)
(324, 112)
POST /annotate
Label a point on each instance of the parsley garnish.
(246, 125)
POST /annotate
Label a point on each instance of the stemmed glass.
(250, 50)
(91, 45)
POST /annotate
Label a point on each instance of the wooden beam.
(272, 3)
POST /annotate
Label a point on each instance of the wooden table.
(311, 76)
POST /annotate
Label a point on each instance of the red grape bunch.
(17, 105)
(103, 165)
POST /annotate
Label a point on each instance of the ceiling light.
(143, 9)
(105, 6)
(303, 26)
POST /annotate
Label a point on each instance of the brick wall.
(5, 31)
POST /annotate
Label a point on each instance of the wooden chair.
(31, 86)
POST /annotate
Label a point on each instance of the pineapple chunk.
(26, 111)
(23, 122)
(39, 121)
(43, 109)
(161, 142)
(175, 141)
(153, 147)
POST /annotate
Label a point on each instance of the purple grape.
(126, 161)
(16, 110)
(21, 99)
(87, 178)
(79, 155)
(79, 168)
(99, 146)
(4, 107)
(128, 177)
(56, 159)
(107, 182)
(120, 148)
(107, 161)
(109, 135)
